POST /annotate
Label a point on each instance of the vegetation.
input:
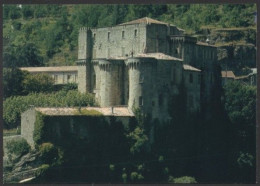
(14, 106)
(37, 83)
(18, 147)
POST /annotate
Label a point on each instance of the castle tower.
(84, 58)
(142, 76)
(111, 84)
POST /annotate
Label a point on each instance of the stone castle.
(142, 63)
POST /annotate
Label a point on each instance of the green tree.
(37, 83)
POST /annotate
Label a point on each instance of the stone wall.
(28, 119)
(58, 129)
(119, 41)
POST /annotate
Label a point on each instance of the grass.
(85, 112)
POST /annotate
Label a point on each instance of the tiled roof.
(70, 111)
(228, 74)
(190, 68)
(51, 69)
(158, 56)
(145, 20)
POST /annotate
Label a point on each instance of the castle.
(142, 63)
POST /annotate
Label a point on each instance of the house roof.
(70, 111)
(50, 69)
(145, 20)
(228, 74)
(190, 68)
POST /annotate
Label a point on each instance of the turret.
(84, 58)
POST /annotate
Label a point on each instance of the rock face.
(25, 168)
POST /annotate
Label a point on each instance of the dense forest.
(219, 148)
(47, 34)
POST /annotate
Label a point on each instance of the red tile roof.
(228, 74)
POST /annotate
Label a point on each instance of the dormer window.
(108, 36)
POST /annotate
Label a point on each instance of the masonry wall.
(60, 129)
(118, 41)
(27, 125)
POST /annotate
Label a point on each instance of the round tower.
(110, 82)
(141, 82)
(84, 58)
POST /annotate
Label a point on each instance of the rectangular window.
(123, 34)
(135, 32)
(108, 36)
(94, 36)
(68, 78)
(140, 101)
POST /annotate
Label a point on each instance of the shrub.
(18, 147)
(48, 153)
(42, 170)
(14, 106)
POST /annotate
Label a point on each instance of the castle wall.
(58, 129)
(157, 40)
(119, 41)
(192, 80)
(84, 76)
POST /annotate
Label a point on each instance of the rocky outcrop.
(25, 168)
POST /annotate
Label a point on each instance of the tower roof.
(145, 20)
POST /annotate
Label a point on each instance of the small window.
(68, 77)
(108, 36)
(94, 36)
(135, 32)
(123, 34)
(191, 78)
(140, 101)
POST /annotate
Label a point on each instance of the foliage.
(37, 83)
(12, 81)
(48, 153)
(39, 131)
(18, 147)
(41, 172)
(14, 106)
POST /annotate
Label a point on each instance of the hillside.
(47, 34)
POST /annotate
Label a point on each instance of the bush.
(42, 170)
(37, 83)
(14, 106)
(48, 153)
(18, 147)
